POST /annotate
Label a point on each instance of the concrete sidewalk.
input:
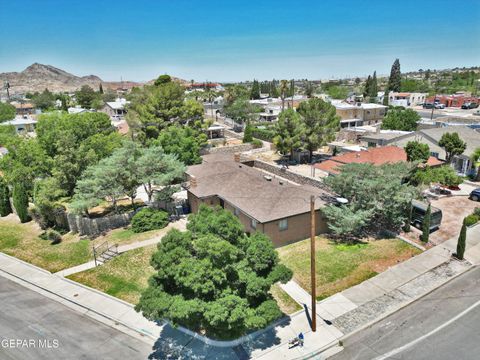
(165, 340)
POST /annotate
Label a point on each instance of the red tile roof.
(375, 156)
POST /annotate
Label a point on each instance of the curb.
(388, 313)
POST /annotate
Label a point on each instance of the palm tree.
(283, 92)
(476, 161)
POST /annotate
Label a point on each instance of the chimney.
(236, 157)
(193, 181)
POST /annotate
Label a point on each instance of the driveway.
(454, 209)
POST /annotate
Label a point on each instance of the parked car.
(419, 210)
(439, 106)
(428, 106)
(470, 105)
(475, 195)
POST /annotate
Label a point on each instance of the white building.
(406, 98)
(116, 109)
(23, 124)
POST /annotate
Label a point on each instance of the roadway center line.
(423, 337)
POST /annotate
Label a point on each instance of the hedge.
(149, 219)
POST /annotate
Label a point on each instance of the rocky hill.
(37, 77)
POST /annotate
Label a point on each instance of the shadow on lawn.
(174, 344)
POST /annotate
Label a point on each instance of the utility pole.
(312, 263)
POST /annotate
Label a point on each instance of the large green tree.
(417, 151)
(87, 97)
(289, 132)
(255, 90)
(399, 118)
(320, 123)
(395, 79)
(377, 195)
(241, 111)
(214, 278)
(452, 144)
(20, 201)
(7, 112)
(44, 100)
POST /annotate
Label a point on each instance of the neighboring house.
(384, 137)
(375, 156)
(262, 202)
(76, 110)
(270, 113)
(456, 100)
(461, 163)
(360, 114)
(23, 108)
(116, 109)
(406, 98)
(23, 124)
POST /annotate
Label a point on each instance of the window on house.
(435, 154)
(283, 225)
(253, 223)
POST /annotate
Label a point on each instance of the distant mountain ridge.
(38, 77)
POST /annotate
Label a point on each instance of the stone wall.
(227, 149)
(94, 227)
(289, 175)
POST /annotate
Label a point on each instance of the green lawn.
(340, 266)
(23, 242)
(126, 276)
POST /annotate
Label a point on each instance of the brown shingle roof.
(247, 189)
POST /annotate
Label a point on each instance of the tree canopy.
(7, 112)
(395, 79)
(289, 132)
(417, 151)
(399, 118)
(378, 198)
(452, 144)
(214, 278)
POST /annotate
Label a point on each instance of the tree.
(408, 220)
(452, 144)
(248, 133)
(100, 88)
(241, 111)
(462, 241)
(373, 87)
(417, 151)
(283, 92)
(20, 202)
(395, 79)
(337, 92)
(235, 92)
(5, 207)
(346, 222)
(184, 141)
(163, 79)
(377, 195)
(157, 168)
(399, 118)
(426, 224)
(368, 86)
(289, 132)
(86, 97)
(7, 112)
(320, 123)
(44, 101)
(444, 175)
(214, 278)
(309, 89)
(255, 91)
(47, 209)
(475, 157)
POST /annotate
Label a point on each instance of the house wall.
(298, 225)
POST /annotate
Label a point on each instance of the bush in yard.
(476, 211)
(20, 202)
(149, 219)
(5, 207)
(248, 133)
(471, 219)
(53, 236)
(426, 225)
(257, 143)
(406, 225)
(462, 240)
(214, 278)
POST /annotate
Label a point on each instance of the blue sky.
(238, 40)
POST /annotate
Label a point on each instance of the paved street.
(443, 325)
(27, 315)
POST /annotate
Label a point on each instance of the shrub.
(5, 207)
(264, 134)
(20, 202)
(476, 211)
(471, 219)
(54, 236)
(247, 133)
(462, 240)
(257, 143)
(149, 219)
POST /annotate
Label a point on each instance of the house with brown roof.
(375, 156)
(262, 202)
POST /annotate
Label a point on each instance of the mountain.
(38, 77)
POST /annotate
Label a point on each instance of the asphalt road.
(444, 325)
(35, 327)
